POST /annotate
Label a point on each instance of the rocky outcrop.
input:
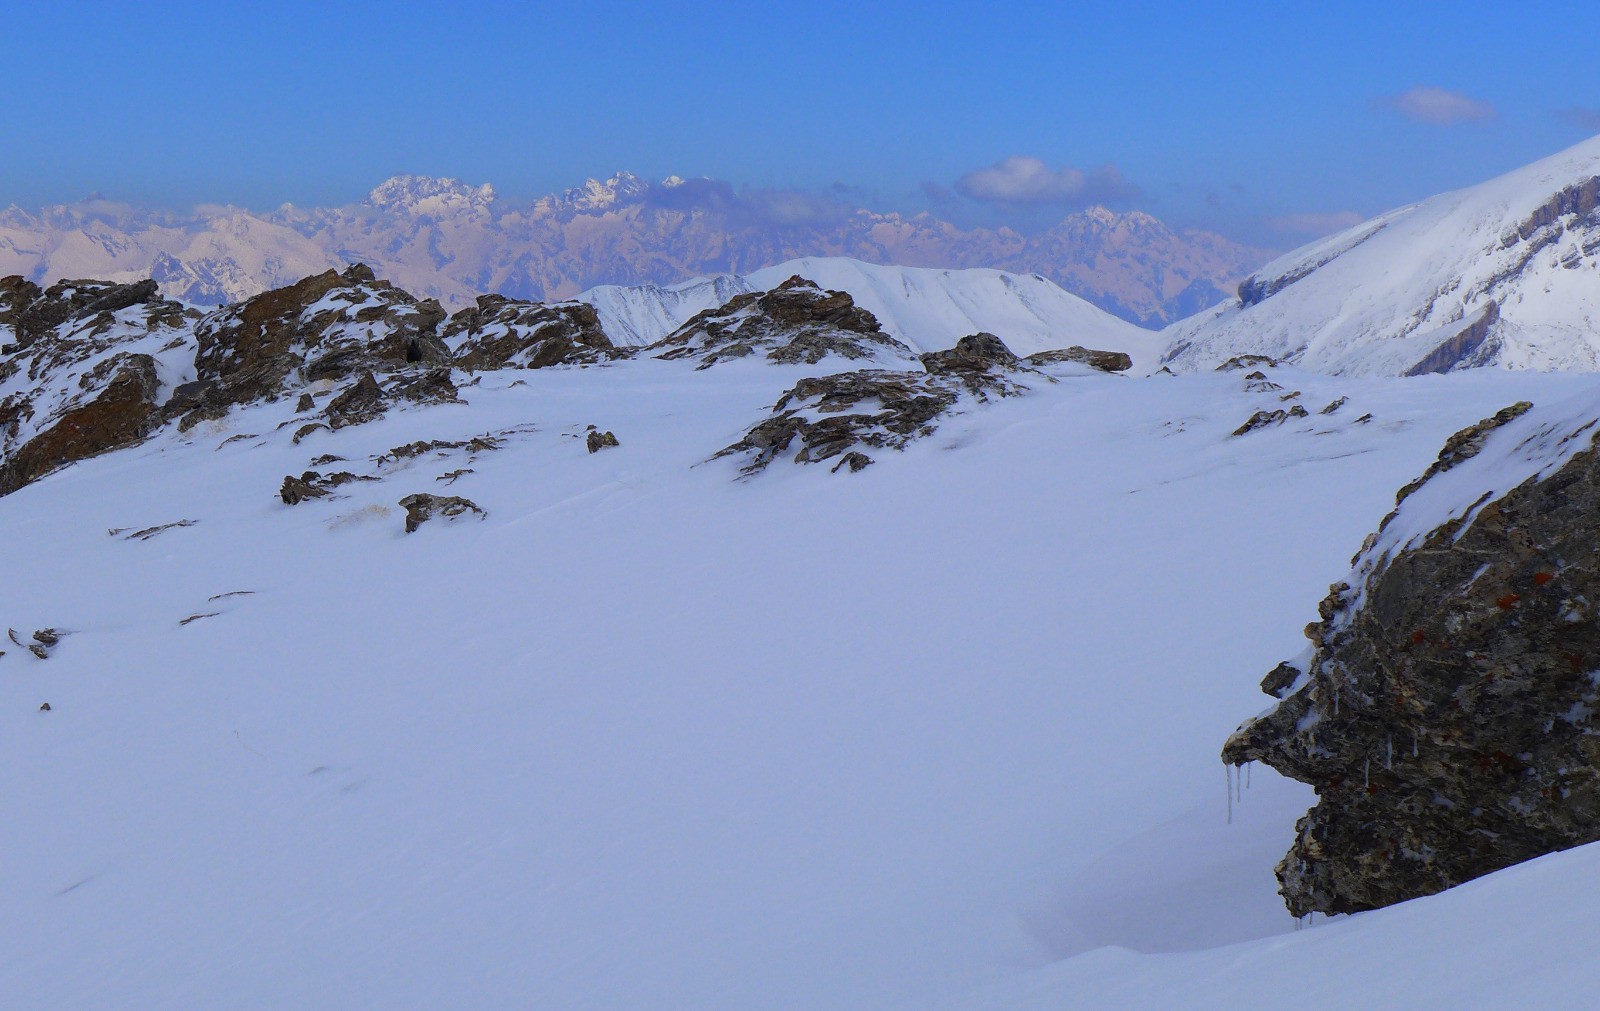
(1446, 713)
(421, 508)
(838, 416)
(78, 376)
(1105, 361)
(327, 327)
(794, 323)
(500, 333)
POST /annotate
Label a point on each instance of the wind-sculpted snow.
(1503, 274)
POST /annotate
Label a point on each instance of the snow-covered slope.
(1505, 274)
(925, 308)
(647, 735)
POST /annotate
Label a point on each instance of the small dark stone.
(597, 440)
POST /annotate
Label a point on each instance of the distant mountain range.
(444, 239)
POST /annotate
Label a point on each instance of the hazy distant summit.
(451, 240)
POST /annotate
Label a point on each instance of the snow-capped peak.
(414, 195)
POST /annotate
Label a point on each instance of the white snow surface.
(943, 733)
(923, 307)
(1379, 298)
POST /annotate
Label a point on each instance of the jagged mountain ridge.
(444, 239)
(1505, 273)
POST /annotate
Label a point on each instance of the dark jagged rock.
(1105, 361)
(1246, 362)
(879, 408)
(361, 403)
(117, 408)
(1269, 419)
(311, 484)
(794, 323)
(597, 440)
(431, 387)
(500, 333)
(978, 353)
(1446, 714)
(423, 507)
(1463, 446)
(329, 326)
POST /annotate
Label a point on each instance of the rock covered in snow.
(81, 371)
(1446, 711)
(328, 326)
(500, 332)
(795, 323)
(840, 415)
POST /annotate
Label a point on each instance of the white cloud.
(1438, 106)
(1316, 224)
(1023, 180)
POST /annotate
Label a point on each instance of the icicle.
(1247, 766)
(1230, 794)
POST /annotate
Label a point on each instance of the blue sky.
(1254, 119)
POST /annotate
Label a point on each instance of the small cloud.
(1023, 180)
(1315, 225)
(1438, 106)
(1588, 119)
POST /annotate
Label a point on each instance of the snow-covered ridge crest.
(1506, 273)
(924, 308)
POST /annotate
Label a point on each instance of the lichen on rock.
(1446, 714)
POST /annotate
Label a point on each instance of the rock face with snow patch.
(1446, 714)
(838, 417)
(500, 332)
(329, 326)
(795, 323)
(78, 371)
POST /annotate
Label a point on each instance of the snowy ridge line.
(1502, 274)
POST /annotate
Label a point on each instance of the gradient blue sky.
(1233, 116)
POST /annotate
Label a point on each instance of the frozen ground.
(941, 733)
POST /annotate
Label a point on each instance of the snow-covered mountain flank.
(924, 308)
(444, 239)
(1505, 274)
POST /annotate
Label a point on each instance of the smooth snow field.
(941, 734)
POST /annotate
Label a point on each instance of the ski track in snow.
(942, 733)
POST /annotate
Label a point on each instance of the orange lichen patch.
(1507, 602)
(1541, 578)
(1418, 638)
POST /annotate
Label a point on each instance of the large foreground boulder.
(1446, 712)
